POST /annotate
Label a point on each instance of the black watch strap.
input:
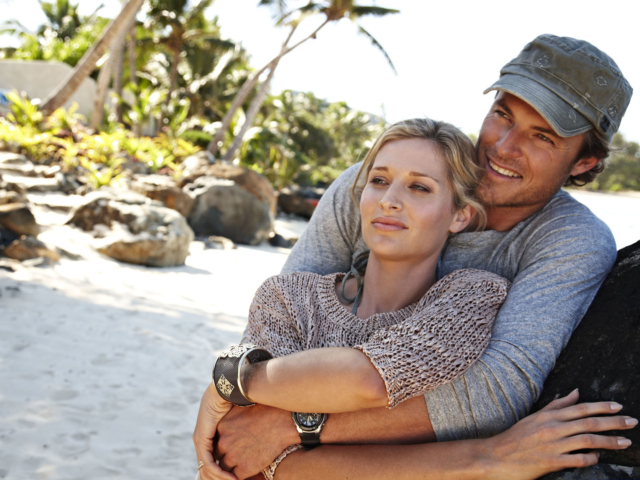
(309, 440)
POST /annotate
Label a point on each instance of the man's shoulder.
(565, 224)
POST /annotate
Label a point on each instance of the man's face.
(526, 162)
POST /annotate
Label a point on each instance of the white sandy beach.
(102, 364)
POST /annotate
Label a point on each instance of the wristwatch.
(309, 426)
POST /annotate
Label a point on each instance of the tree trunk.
(132, 53)
(172, 86)
(103, 82)
(251, 82)
(256, 103)
(118, 68)
(88, 62)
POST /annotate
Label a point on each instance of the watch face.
(308, 420)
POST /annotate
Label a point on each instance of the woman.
(397, 333)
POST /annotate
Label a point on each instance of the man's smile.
(503, 171)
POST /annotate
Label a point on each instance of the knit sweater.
(415, 349)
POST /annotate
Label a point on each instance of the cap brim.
(565, 120)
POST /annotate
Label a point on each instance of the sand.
(102, 364)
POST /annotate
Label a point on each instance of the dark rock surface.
(601, 471)
(18, 218)
(294, 204)
(602, 358)
(226, 209)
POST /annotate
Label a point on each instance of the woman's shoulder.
(298, 285)
(470, 282)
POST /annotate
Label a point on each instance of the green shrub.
(197, 137)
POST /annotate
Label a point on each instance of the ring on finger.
(200, 465)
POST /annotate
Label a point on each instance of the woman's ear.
(461, 219)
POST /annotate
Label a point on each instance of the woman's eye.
(377, 181)
(420, 188)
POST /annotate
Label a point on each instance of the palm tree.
(185, 26)
(86, 65)
(333, 11)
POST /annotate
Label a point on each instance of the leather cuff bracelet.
(226, 373)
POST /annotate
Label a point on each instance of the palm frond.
(378, 46)
(278, 7)
(13, 27)
(198, 9)
(361, 11)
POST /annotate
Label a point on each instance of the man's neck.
(502, 219)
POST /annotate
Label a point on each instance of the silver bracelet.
(226, 373)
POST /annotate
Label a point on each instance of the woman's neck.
(393, 285)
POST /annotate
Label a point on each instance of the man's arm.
(563, 265)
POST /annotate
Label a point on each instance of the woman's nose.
(390, 200)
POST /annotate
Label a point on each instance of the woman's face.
(407, 204)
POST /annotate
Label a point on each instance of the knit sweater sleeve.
(442, 339)
(276, 322)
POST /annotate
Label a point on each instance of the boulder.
(135, 229)
(10, 158)
(164, 189)
(18, 218)
(602, 358)
(296, 205)
(196, 162)
(26, 248)
(246, 178)
(224, 208)
(11, 197)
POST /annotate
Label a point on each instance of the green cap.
(571, 83)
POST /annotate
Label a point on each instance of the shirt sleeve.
(271, 325)
(442, 339)
(559, 275)
(333, 233)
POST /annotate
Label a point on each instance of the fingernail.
(624, 442)
(615, 406)
(631, 421)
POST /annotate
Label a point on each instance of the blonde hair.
(463, 172)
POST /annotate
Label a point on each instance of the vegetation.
(186, 88)
(622, 170)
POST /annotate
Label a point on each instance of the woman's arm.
(435, 345)
(539, 444)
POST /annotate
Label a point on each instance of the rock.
(9, 158)
(224, 208)
(26, 248)
(51, 171)
(38, 262)
(135, 166)
(164, 189)
(6, 238)
(246, 178)
(27, 170)
(602, 358)
(296, 205)
(140, 231)
(9, 264)
(279, 241)
(219, 243)
(196, 162)
(35, 184)
(11, 197)
(18, 218)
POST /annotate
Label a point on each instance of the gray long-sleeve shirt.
(556, 260)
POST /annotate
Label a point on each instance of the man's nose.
(509, 143)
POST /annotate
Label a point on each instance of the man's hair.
(459, 153)
(593, 145)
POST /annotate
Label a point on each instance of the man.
(557, 107)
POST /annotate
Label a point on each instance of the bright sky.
(446, 52)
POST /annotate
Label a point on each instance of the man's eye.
(501, 113)
(545, 138)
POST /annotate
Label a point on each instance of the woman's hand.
(542, 443)
(212, 408)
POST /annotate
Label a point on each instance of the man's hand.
(251, 438)
(212, 409)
